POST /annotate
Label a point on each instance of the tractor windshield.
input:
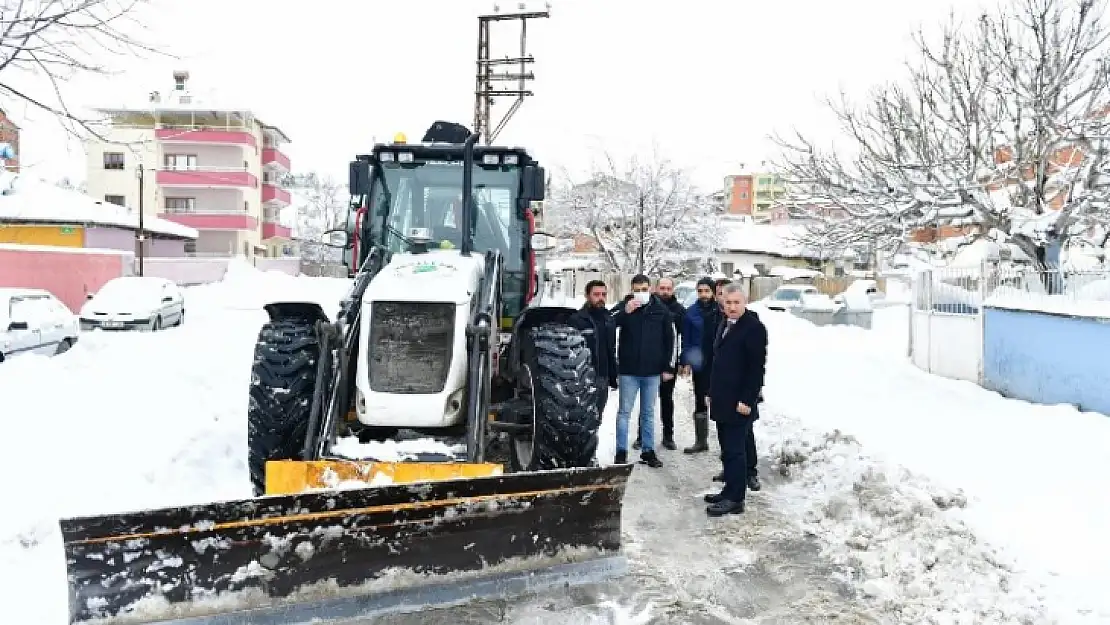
(429, 195)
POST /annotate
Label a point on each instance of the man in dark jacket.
(596, 322)
(664, 290)
(739, 364)
(646, 356)
(699, 329)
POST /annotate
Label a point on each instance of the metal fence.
(964, 290)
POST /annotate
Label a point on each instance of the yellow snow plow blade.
(290, 477)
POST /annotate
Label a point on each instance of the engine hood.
(434, 276)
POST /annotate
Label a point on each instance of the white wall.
(949, 345)
(204, 270)
(221, 200)
(143, 149)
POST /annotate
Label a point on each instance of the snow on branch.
(321, 204)
(1001, 124)
(49, 42)
(642, 215)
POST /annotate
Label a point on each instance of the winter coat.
(601, 335)
(739, 364)
(648, 341)
(699, 325)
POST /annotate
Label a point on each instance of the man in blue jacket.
(699, 328)
(739, 363)
(596, 322)
(646, 356)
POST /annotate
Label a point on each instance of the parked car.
(134, 303)
(860, 294)
(686, 293)
(788, 296)
(33, 321)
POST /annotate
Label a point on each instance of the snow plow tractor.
(433, 443)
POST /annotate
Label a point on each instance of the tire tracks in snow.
(686, 568)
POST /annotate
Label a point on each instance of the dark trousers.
(750, 456)
(701, 391)
(733, 434)
(666, 406)
(602, 397)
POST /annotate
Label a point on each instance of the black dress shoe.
(649, 458)
(621, 457)
(724, 506)
(668, 443)
(753, 482)
(714, 498)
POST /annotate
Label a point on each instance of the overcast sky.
(705, 80)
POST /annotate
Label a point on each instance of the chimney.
(180, 78)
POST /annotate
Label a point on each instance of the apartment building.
(753, 194)
(214, 169)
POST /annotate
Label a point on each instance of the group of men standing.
(717, 341)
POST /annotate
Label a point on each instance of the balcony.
(271, 230)
(211, 219)
(271, 193)
(209, 177)
(274, 156)
(212, 136)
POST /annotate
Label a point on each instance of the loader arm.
(480, 335)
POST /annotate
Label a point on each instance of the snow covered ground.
(891, 496)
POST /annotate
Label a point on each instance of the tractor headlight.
(404, 157)
(490, 159)
(386, 157)
(511, 159)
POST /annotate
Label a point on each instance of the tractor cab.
(401, 189)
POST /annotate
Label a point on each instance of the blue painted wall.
(1048, 359)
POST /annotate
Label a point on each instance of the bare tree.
(49, 42)
(644, 216)
(321, 205)
(1001, 125)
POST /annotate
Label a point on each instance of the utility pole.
(140, 234)
(484, 90)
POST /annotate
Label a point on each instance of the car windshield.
(429, 195)
(125, 289)
(788, 294)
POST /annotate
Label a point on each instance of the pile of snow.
(779, 239)
(1046, 517)
(125, 421)
(1089, 300)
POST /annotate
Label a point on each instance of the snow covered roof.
(24, 199)
(774, 239)
(980, 250)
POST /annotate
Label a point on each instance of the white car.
(860, 294)
(134, 303)
(32, 321)
(789, 296)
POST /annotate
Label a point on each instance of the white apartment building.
(214, 169)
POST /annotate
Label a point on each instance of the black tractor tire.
(565, 399)
(283, 380)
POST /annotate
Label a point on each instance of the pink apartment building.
(215, 169)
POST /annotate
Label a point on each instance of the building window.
(726, 268)
(113, 160)
(181, 161)
(181, 204)
(190, 247)
(118, 200)
(743, 195)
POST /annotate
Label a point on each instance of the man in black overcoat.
(739, 363)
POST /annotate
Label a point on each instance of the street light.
(140, 234)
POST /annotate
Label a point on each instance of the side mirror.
(18, 325)
(338, 238)
(534, 183)
(358, 178)
(167, 299)
(543, 242)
